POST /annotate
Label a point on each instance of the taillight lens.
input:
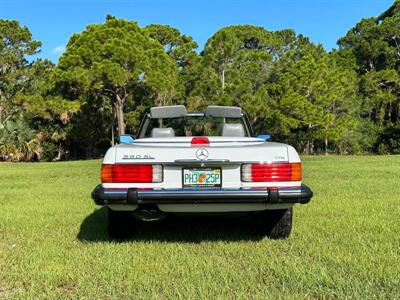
(200, 140)
(271, 172)
(131, 173)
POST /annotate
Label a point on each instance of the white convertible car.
(208, 162)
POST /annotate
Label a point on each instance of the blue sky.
(324, 21)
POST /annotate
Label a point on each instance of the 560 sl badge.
(138, 156)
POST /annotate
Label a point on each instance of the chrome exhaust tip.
(149, 214)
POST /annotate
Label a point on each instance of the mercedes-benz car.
(200, 162)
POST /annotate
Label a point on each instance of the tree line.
(346, 101)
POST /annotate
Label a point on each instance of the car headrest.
(233, 130)
(162, 132)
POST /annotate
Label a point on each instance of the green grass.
(345, 243)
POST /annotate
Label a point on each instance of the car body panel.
(144, 152)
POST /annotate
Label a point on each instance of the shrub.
(389, 140)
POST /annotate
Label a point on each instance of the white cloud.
(58, 49)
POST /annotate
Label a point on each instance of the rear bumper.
(102, 196)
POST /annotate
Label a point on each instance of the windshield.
(194, 126)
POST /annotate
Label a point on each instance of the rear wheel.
(275, 224)
(121, 224)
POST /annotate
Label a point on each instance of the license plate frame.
(206, 170)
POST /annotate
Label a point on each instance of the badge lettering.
(138, 156)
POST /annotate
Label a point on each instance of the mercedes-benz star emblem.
(202, 154)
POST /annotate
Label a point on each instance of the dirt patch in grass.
(7, 292)
(66, 287)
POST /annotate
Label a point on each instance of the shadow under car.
(174, 228)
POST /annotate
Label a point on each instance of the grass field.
(345, 243)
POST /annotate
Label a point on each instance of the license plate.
(202, 177)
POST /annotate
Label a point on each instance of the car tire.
(120, 224)
(275, 224)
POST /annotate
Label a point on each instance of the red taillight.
(131, 173)
(200, 140)
(271, 172)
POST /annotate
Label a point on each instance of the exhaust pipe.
(149, 213)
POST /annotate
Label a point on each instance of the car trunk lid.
(228, 149)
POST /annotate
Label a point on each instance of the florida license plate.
(202, 177)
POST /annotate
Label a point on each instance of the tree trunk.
(223, 79)
(312, 147)
(309, 141)
(113, 127)
(60, 153)
(119, 111)
(307, 148)
(326, 146)
(326, 139)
